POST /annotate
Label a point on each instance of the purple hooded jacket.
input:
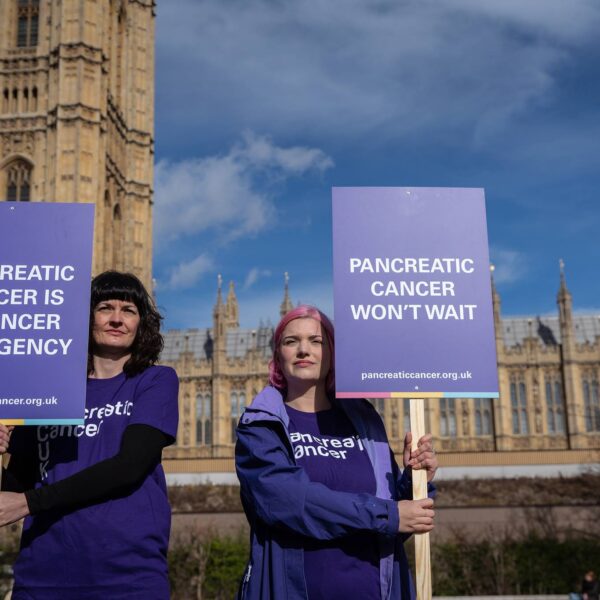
(283, 506)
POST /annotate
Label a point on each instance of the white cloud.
(187, 274)
(336, 67)
(224, 191)
(254, 275)
(510, 266)
(261, 153)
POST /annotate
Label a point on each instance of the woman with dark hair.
(327, 506)
(95, 495)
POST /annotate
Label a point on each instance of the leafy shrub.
(206, 567)
(533, 565)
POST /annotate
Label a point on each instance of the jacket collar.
(267, 405)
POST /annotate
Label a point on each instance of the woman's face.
(304, 354)
(115, 326)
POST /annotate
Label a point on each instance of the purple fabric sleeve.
(283, 496)
(156, 403)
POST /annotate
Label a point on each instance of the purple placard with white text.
(45, 270)
(412, 293)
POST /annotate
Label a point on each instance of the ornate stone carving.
(18, 143)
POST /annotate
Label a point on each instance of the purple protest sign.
(412, 294)
(45, 268)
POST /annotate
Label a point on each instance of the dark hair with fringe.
(148, 342)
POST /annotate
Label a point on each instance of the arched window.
(203, 419)
(34, 100)
(447, 417)
(238, 402)
(518, 403)
(18, 181)
(483, 416)
(117, 235)
(6, 100)
(591, 402)
(28, 14)
(554, 404)
(119, 62)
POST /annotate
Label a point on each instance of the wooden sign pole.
(419, 478)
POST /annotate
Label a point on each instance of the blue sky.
(263, 105)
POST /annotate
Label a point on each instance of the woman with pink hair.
(327, 505)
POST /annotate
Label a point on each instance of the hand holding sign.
(416, 516)
(13, 506)
(423, 457)
(5, 432)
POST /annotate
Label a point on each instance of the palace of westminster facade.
(76, 125)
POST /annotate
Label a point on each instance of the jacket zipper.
(245, 581)
(247, 576)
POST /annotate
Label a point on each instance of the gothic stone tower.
(76, 116)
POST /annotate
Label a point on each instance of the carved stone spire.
(565, 310)
(286, 304)
(219, 302)
(231, 307)
(218, 313)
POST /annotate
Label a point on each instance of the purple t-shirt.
(117, 548)
(327, 447)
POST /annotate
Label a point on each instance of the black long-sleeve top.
(140, 451)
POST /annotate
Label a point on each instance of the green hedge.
(206, 568)
(211, 569)
(534, 565)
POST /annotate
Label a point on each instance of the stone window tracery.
(483, 416)
(518, 403)
(18, 181)
(591, 402)
(28, 12)
(203, 419)
(26, 99)
(447, 417)
(554, 404)
(238, 402)
(117, 235)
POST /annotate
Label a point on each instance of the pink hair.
(304, 311)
